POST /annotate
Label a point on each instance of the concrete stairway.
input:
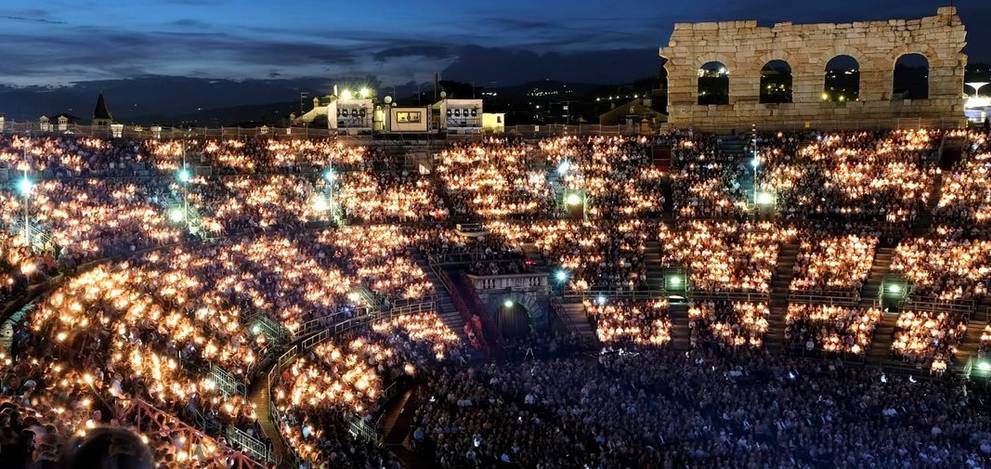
(572, 314)
(681, 334)
(880, 349)
(446, 309)
(258, 394)
(780, 283)
(881, 267)
(652, 262)
(732, 147)
(924, 220)
(970, 344)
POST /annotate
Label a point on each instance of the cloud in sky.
(61, 43)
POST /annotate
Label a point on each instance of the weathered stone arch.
(744, 47)
(906, 84)
(776, 82)
(530, 303)
(842, 78)
(713, 83)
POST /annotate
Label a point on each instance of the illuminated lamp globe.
(25, 186)
(573, 199)
(765, 198)
(176, 215)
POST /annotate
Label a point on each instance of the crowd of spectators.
(833, 263)
(650, 408)
(728, 324)
(330, 393)
(725, 256)
(246, 240)
(831, 328)
(929, 339)
(623, 321)
(860, 175)
(946, 266)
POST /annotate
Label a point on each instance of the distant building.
(101, 115)
(408, 119)
(634, 113)
(458, 115)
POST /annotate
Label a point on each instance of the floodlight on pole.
(321, 204)
(176, 214)
(573, 199)
(765, 198)
(25, 187)
(184, 175)
(330, 175)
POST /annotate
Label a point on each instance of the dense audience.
(631, 322)
(947, 266)
(729, 324)
(831, 264)
(229, 250)
(831, 328)
(725, 256)
(929, 338)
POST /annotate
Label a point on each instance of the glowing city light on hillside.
(25, 186)
(601, 300)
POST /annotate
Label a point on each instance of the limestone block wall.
(744, 47)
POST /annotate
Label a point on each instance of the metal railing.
(254, 447)
(339, 329)
(839, 298)
(227, 383)
(150, 420)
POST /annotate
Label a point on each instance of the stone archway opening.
(842, 80)
(775, 82)
(713, 83)
(512, 319)
(910, 78)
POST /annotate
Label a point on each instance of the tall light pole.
(25, 186)
(331, 177)
(755, 162)
(184, 177)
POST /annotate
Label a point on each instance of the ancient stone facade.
(744, 48)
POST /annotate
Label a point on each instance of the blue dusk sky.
(57, 42)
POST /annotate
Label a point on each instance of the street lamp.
(561, 275)
(25, 187)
